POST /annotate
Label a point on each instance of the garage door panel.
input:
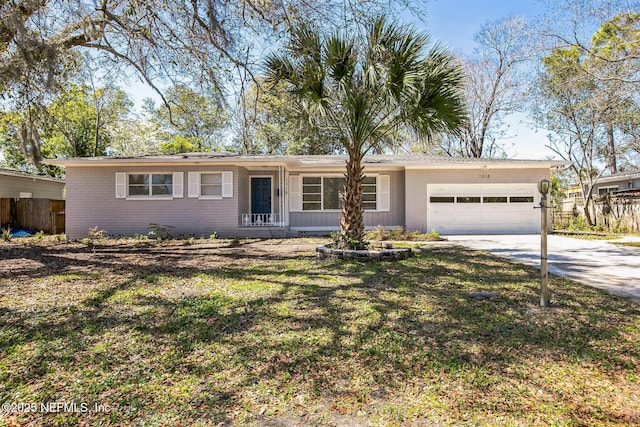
(484, 208)
(443, 189)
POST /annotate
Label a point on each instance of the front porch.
(261, 220)
(262, 198)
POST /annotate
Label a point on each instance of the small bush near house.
(160, 232)
(6, 234)
(400, 233)
(94, 233)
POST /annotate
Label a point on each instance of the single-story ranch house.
(263, 196)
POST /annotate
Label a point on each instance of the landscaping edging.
(365, 255)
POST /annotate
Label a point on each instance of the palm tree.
(367, 89)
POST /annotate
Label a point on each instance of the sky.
(454, 23)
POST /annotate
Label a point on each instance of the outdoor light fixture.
(543, 188)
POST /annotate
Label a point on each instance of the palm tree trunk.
(352, 222)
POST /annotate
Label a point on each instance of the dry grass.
(265, 334)
(628, 244)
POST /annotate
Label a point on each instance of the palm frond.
(340, 58)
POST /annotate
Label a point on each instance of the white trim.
(178, 185)
(383, 196)
(227, 184)
(295, 193)
(121, 185)
(148, 198)
(285, 195)
(194, 184)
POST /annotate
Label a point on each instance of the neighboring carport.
(597, 263)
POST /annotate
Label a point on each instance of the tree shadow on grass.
(323, 338)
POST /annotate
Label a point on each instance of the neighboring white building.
(16, 184)
(262, 196)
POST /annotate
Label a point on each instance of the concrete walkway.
(595, 263)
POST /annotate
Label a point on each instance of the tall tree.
(134, 136)
(494, 87)
(570, 24)
(163, 43)
(566, 107)
(79, 119)
(192, 115)
(366, 87)
(270, 122)
(110, 104)
(617, 76)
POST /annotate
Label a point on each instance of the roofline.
(619, 177)
(305, 162)
(27, 175)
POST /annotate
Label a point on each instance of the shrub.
(578, 223)
(159, 232)
(6, 234)
(94, 233)
(399, 233)
(434, 235)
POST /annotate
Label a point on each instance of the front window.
(211, 184)
(325, 193)
(311, 193)
(332, 189)
(369, 193)
(151, 184)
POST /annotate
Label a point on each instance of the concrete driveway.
(593, 262)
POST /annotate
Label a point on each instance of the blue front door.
(260, 195)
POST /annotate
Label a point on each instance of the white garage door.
(483, 208)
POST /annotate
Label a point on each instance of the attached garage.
(483, 208)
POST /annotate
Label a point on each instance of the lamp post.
(543, 188)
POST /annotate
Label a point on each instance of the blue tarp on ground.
(21, 233)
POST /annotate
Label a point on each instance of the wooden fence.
(36, 214)
(618, 213)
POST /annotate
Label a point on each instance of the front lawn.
(262, 333)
